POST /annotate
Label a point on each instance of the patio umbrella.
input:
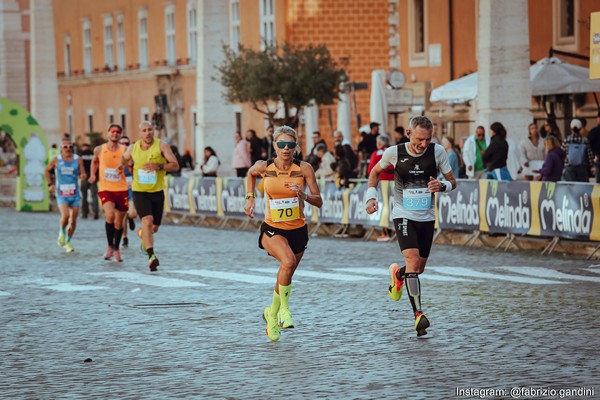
(378, 109)
(344, 116)
(457, 91)
(549, 76)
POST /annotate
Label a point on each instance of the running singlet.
(283, 208)
(144, 180)
(67, 177)
(110, 180)
(412, 198)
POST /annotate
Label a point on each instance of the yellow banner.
(595, 46)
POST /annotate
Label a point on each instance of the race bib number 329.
(284, 209)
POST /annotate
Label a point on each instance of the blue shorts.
(71, 201)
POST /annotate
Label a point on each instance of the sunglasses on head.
(290, 145)
(124, 143)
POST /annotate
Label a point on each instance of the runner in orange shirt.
(112, 188)
(283, 234)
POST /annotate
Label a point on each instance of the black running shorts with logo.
(297, 238)
(150, 203)
(415, 235)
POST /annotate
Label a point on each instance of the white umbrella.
(378, 109)
(548, 76)
(344, 116)
(311, 123)
(459, 90)
(552, 75)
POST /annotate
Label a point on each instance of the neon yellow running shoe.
(285, 318)
(395, 288)
(421, 323)
(61, 239)
(142, 247)
(272, 325)
(69, 247)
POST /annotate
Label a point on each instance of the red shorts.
(121, 199)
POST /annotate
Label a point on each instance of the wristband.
(371, 194)
(250, 194)
(447, 186)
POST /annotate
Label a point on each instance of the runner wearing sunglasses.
(68, 169)
(131, 212)
(283, 234)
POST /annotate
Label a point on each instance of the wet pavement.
(194, 328)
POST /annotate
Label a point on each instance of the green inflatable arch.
(32, 151)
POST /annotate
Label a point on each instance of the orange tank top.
(110, 180)
(283, 209)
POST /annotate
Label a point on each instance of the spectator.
(453, 157)
(187, 161)
(400, 135)
(383, 142)
(554, 162)
(342, 167)
(367, 145)
(211, 162)
(175, 151)
(551, 128)
(256, 146)
(242, 159)
(474, 147)
(87, 155)
(579, 158)
(594, 140)
(496, 154)
(531, 152)
(267, 143)
(338, 138)
(312, 158)
(325, 170)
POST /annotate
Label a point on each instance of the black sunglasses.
(68, 147)
(290, 145)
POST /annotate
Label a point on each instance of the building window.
(417, 32)
(108, 43)
(120, 43)
(123, 113)
(110, 113)
(143, 38)
(192, 25)
(67, 61)
(70, 121)
(145, 114)
(267, 22)
(566, 29)
(235, 24)
(90, 115)
(87, 46)
(170, 33)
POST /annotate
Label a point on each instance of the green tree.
(286, 75)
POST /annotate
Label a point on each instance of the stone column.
(216, 120)
(13, 60)
(44, 84)
(504, 93)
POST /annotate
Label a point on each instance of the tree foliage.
(280, 76)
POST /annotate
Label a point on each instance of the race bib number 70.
(284, 209)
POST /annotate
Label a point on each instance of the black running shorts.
(150, 203)
(415, 235)
(297, 238)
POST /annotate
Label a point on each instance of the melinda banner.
(566, 210)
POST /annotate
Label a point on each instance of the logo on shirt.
(416, 170)
(404, 160)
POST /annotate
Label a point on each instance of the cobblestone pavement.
(194, 329)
